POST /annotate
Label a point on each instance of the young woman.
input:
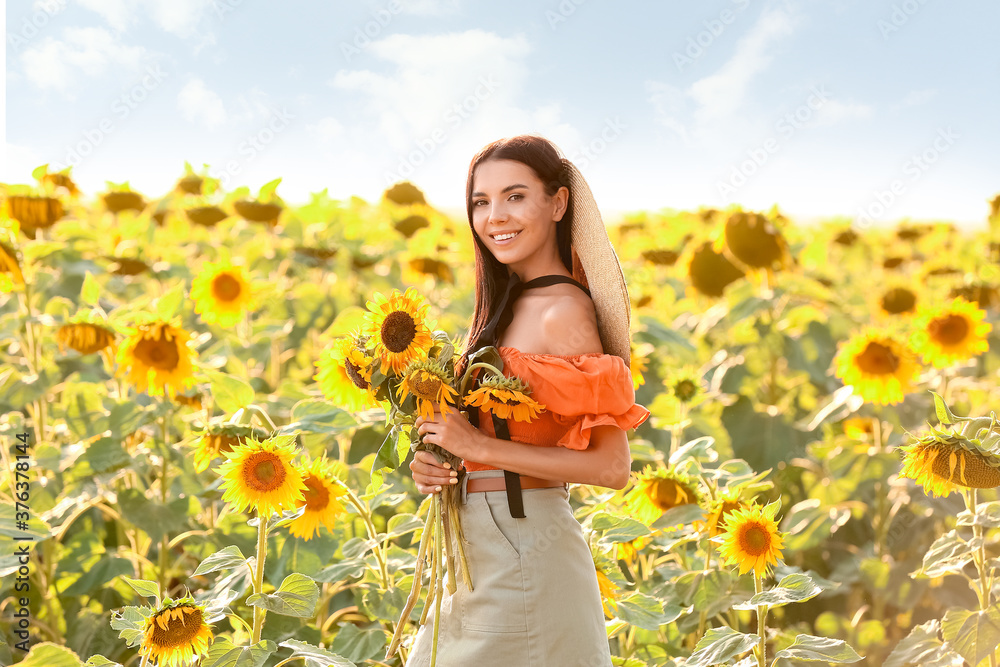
(535, 600)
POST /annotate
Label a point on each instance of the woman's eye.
(520, 196)
(478, 202)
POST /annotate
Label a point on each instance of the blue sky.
(874, 109)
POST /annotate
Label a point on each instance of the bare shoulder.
(569, 323)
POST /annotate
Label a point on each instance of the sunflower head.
(505, 397)
(859, 428)
(261, 475)
(222, 293)
(399, 328)
(429, 382)
(345, 373)
(710, 272)
(321, 500)
(656, 491)
(637, 365)
(751, 539)
(881, 367)
(950, 333)
(10, 264)
(177, 633)
(219, 439)
(898, 301)
(963, 455)
(87, 335)
(156, 356)
(718, 510)
(609, 580)
(755, 241)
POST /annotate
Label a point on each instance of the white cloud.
(57, 63)
(178, 17)
(717, 102)
(200, 105)
(915, 98)
(327, 129)
(835, 111)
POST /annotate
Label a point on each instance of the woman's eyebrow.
(506, 189)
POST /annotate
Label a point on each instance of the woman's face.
(509, 199)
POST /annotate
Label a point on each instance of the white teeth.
(503, 237)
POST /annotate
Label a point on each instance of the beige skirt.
(536, 601)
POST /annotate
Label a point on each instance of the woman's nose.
(497, 213)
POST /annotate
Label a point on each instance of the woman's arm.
(606, 462)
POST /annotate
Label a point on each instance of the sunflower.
(710, 272)
(430, 383)
(629, 551)
(345, 374)
(176, 633)
(221, 293)
(859, 428)
(321, 500)
(217, 440)
(85, 337)
(656, 491)
(505, 397)
(636, 366)
(156, 355)
(261, 475)
(718, 510)
(954, 332)
(33, 212)
(754, 240)
(898, 300)
(881, 368)
(398, 325)
(9, 264)
(943, 460)
(752, 539)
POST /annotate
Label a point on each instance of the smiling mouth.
(504, 236)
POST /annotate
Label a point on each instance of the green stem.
(258, 583)
(758, 586)
(164, 488)
(468, 374)
(372, 533)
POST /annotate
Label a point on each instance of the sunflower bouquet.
(397, 358)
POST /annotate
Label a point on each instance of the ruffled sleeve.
(580, 392)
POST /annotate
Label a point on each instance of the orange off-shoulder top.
(579, 392)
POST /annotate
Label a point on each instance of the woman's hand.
(451, 431)
(430, 474)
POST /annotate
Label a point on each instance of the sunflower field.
(197, 470)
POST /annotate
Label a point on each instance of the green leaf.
(819, 649)
(949, 553)
(701, 449)
(682, 514)
(401, 524)
(90, 293)
(223, 653)
(720, 645)
(617, 528)
(942, 411)
(297, 596)
(792, 588)
(808, 523)
(229, 558)
(923, 647)
(168, 304)
(359, 644)
(267, 190)
(99, 660)
(319, 416)
(315, 656)
(130, 621)
(144, 587)
(974, 635)
(48, 654)
(229, 392)
(987, 515)
(95, 578)
(644, 611)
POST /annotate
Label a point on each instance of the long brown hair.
(491, 274)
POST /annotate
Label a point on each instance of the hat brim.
(603, 271)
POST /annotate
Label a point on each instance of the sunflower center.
(899, 300)
(755, 540)
(949, 330)
(425, 386)
(398, 331)
(877, 359)
(978, 473)
(264, 471)
(354, 373)
(179, 631)
(667, 494)
(161, 354)
(316, 494)
(225, 287)
(685, 390)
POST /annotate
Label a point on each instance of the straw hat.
(596, 265)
